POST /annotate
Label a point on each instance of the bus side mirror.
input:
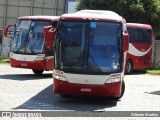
(125, 42)
(50, 38)
(45, 32)
(6, 31)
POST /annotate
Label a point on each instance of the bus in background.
(139, 55)
(90, 54)
(28, 49)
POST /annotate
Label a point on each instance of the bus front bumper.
(66, 88)
(37, 65)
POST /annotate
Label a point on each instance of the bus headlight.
(57, 74)
(40, 57)
(113, 78)
(59, 77)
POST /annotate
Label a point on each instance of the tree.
(137, 11)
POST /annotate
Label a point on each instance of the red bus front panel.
(36, 62)
(37, 65)
(66, 88)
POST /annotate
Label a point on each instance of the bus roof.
(94, 15)
(138, 25)
(40, 17)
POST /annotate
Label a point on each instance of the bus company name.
(86, 90)
(27, 114)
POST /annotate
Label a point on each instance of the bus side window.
(137, 36)
(148, 35)
(132, 37)
(141, 37)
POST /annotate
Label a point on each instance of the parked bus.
(90, 54)
(140, 46)
(28, 49)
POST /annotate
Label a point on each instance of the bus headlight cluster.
(113, 78)
(57, 74)
(59, 77)
(40, 57)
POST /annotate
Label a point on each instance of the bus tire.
(38, 72)
(122, 92)
(128, 68)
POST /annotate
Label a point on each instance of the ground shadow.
(47, 100)
(154, 92)
(137, 72)
(24, 77)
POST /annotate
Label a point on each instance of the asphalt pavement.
(21, 90)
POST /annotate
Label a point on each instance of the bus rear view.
(90, 54)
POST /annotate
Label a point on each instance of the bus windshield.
(89, 47)
(27, 37)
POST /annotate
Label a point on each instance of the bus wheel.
(38, 72)
(128, 68)
(122, 92)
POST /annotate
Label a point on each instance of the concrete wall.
(156, 54)
(10, 10)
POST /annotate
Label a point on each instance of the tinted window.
(28, 37)
(88, 47)
(137, 35)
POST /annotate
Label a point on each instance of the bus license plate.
(86, 90)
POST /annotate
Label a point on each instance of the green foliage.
(153, 72)
(5, 60)
(137, 11)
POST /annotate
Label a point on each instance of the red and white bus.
(90, 54)
(28, 49)
(140, 46)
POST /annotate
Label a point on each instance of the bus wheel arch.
(122, 92)
(129, 66)
(122, 89)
